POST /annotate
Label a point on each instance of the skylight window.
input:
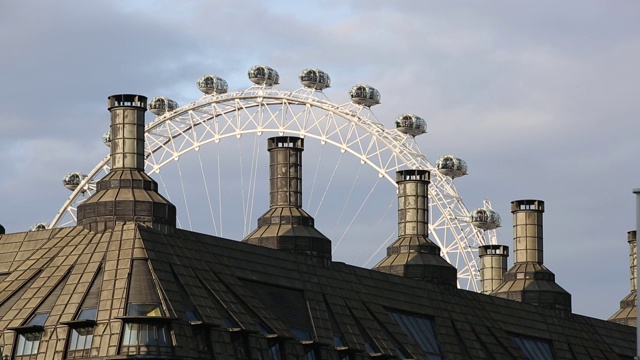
(144, 310)
(302, 334)
(192, 316)
(38, 319)
(88, 314)
(534, 349)
(421, 330)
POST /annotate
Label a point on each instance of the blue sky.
(538, 97)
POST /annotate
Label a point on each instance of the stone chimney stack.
(628, 313)
(493, 265)
(528, 280)
(127, 193)
(413, 255)
(286, 226)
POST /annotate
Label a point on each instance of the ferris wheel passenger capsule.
(451, 166)
(162, 104)
(211, 84)
(38, 227)
(72, 180)
(106, 138)
(315, 79)
(263, 75)
(485, 219)
(411, 124)
(364, 95)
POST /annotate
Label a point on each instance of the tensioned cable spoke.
(362, 204)
(252, 184)
(347, 202)
(324, 195)
(184, 194)
(218, 172)
(167, 194)
(315, 176)
(382, 246)
(206, 189)
(244, 203)
(375, 231)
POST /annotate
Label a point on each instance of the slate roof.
(248, 298)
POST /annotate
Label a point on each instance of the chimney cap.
(290, 142)
(413, 175)
(527, 205)
(127, 100)
(493, 250)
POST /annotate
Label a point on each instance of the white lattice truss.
(305, 113)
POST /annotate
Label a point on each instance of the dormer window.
(200, 331)
(29, 336)
(81, 334)
(146, 337)
(146, 331)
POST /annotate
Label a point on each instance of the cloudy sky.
(540, 98)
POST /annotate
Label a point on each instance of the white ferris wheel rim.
(178, 123)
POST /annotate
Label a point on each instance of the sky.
(539, 98)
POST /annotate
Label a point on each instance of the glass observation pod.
(38, 227)
(364, 95)
(162, 104)
(315, 79)
(211, 84)
(411, 124)
(106, 138)
(485, 219)
(263, 75)
(451, 166)
(72, 180)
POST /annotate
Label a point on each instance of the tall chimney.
(493, 265)
(413, 255)
(628, 313)
(528, 280)
(286, 226)
(126, 193)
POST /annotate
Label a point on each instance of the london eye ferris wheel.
(209, 157)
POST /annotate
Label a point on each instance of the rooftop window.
(38, 319)
(144, 310)
(275, 351)
(193, 316)
(30, 334)
(421, 330)
(28, 343)
(88, 314)
(146, 338)
(302, 334)
(534, 349)
(81, 334)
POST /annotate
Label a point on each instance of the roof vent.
(286, 226)
(628, 313)
(493, 265)
(413, 255)
(528, 280)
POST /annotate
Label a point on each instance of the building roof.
(265, 296)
